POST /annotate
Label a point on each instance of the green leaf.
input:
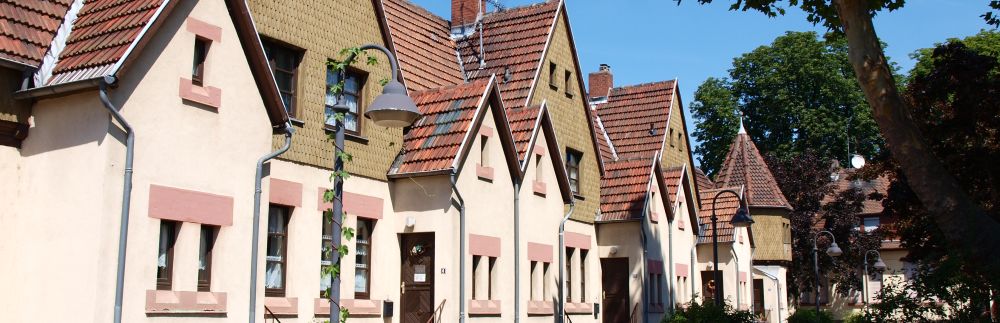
(383, 81)
(348, 233)
(343, 250)
(372, 61)
(328, 196)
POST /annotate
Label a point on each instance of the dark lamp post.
(740, 220)
(833, 251)
(394, 109)
(879, 264)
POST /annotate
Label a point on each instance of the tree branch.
(964, 222)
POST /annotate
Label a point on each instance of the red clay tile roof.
(846, 181)
(523, 122)
(623, 189)
(433, 142)
(514, 38)
(607, 153)
(725, 208)
(672, 176)
(27, 28)
(102, 33)
(745, 166)
(635, 118)
(702, 180)
(423, 46)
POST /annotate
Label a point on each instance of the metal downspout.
(670, 265)
(517, 251)
(255, 240)
(561, 307)
(126, 191)
(691, 266)
(461, 250)
(645, 259)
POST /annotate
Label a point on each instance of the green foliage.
(797, 93)
(985, 43)
(810, 316)
(817, 11)
(709, 313)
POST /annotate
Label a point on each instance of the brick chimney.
(601, 83)
(464, 12)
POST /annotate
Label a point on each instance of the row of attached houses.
(133, 134)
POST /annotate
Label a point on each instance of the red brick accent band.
(743, 276)
(486, 131)
(168, 301)
(209, 95)
(681, 270)
(360, 205)
(285, 193)
(539, 252)
(577, 240)
(204, 29)
(282, 305)
(484, 307)
(176, 204)
(540, 150)
(484, 245)
(538, 187)
(484, 172)
(321, 306)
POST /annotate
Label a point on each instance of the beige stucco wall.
(322, 29)
(683, 241)
(775, 292)
(624, 237)
(569, 117)
(730, 268)
(68, 208)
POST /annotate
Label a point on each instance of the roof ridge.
(420, 9)
(664, 82)
(521, 7)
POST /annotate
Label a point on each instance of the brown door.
(417, 288)
(758, 296)
(614, 275)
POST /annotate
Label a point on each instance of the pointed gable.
(635, 118)
(524, 123)
(426, 53)
(745, 166)
(513, 40)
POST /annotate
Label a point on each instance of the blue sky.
(652, 40)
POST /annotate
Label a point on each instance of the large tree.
(797, 93)
(955, 90)
(962, 220)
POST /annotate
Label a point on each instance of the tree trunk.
(965, 224)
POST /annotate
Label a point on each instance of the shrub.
(709, 313)
(810, 316)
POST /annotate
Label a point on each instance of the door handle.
(604, 294)
(402, 288)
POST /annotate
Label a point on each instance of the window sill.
(553, 87)
(579, 308)
(538, 188)
(296, 122)
(579, 197)
(569, 95)
(484, 173)
(357, 307)
(182, 302)
(208, 96)
(484, 307)
(540, 308)
(348, 135)
(282, 306)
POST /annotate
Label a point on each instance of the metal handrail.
(437, 312)
(635, 310)
(275, 317)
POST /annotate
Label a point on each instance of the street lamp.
(833, 251)
(741, 219)
(879, 264)
(393, 109)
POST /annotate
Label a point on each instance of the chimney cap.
(605, 67)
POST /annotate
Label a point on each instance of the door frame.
(430, 236)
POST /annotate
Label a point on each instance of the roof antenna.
(743, 130)
(479, 21)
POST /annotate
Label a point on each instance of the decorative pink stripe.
(743, 276)
(176, 204)
(681, 270)
(486, 131)
(168, 301)
(484, 307)
(285, 193)
(360, 205)
(538, 187)
(282, 305)
(204, 29)
(579, 308)
(540, 308)
(577, 240)
(655, 266)
(484, 245)
(540, 150)
(539, 252)
(321, 306)
(484, 172)
(680, 224)
(654, 216)
(209, 95)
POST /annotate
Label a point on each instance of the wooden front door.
(614, 275)
(758, 297)
(417, 287)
